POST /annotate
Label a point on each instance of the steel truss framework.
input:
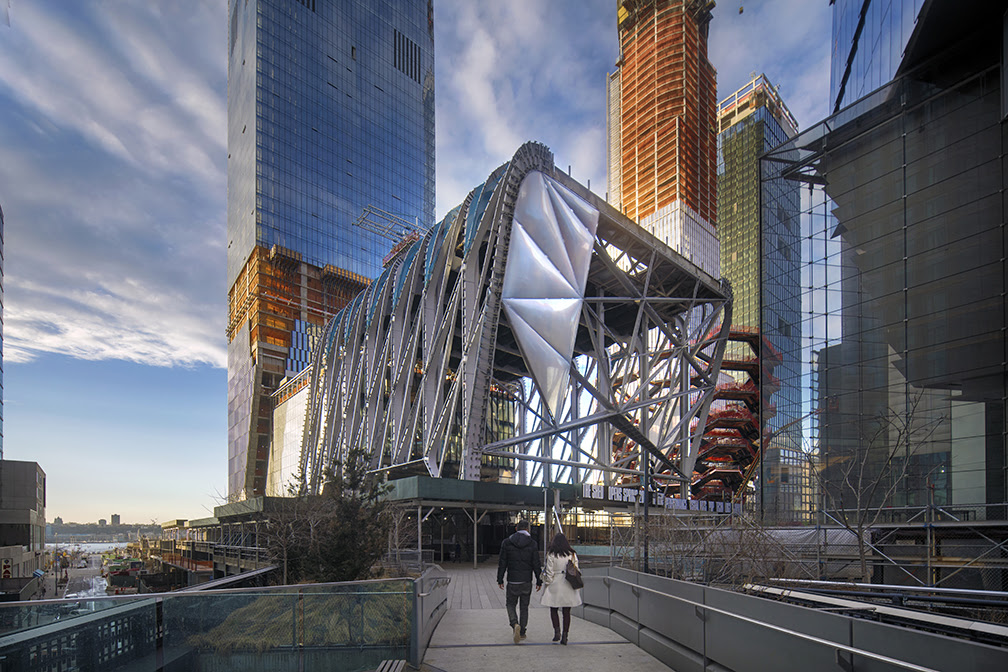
(532, 302)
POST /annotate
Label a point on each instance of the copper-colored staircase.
(731, 442)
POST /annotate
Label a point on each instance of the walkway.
(474, 634)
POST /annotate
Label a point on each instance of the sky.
(113, 150)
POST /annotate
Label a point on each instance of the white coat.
(558, 591)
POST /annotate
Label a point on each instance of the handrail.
(703, 608)
(894, 586)
(139, 620)
(427, 613)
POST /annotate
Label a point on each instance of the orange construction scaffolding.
(668, 100)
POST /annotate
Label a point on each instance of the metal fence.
(407, 561)
(964, 548)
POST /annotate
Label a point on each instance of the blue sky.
(113, 184)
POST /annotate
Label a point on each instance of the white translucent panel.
(577, 221)
(555, 320)
(552, 240)
(550, 369)
(534, 210)
(585, 211)
(529, 273)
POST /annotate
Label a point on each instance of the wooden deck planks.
(475, 588)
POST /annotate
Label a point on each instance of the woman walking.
(559, 594)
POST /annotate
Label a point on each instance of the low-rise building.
(22, 527)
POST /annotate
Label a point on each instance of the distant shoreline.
(89, 546)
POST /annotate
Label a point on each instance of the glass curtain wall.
(784, 487)
(763, 271)
(869, 37)
(903, 289)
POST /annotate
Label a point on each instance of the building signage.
(6, 568)
(617, 494)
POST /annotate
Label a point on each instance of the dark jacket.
(519, 557)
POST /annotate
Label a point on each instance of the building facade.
(663, 155)
(330, 163)
(904, 276)
(22, 527)
(760, 396)
(868, 43)
(499, 347)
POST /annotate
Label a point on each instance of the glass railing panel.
(228, 627)
(21, 616)
(80, 635)
(341, 627)
(356, 629)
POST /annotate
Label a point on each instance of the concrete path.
(480, 639)
(474, 634)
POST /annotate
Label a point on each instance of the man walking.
(519, 558)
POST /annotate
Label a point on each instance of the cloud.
(509, 72)
(113, 183)
(788, 40)
(113, 124)
(525, 70)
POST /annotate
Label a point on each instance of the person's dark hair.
(522, 525)
(560, 546)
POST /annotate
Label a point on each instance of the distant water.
(92, 547)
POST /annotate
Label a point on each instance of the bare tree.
(721, 549)
(860, 485)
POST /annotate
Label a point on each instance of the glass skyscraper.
(868, 41)
(903, 248)
(764, 276)
(331, 161)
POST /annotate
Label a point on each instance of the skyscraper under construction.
(662, 127)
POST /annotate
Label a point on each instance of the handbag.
(573, 575)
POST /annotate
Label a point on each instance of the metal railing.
(408, 560)
(335, 626)
(960, 547)
(430, 601)
(694, 628)
(250, 553)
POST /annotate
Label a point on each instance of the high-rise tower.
(751, 122)
(330, 157)
(666, 136)
(759, 256)
(903, 331)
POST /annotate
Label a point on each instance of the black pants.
(555, 617)
(518, 594)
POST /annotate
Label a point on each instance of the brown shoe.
(517, 633)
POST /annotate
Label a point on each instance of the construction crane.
(393, 227)
(385, 224)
